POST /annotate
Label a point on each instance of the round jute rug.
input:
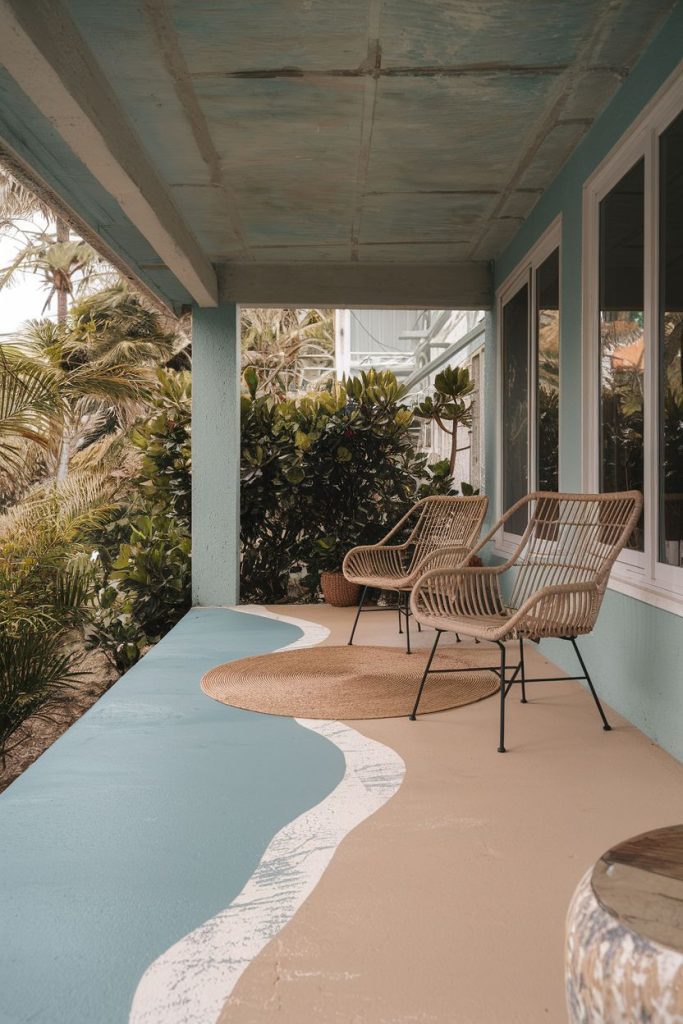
(349, 682)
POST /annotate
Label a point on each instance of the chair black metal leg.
(398, 605)
(521, 671)
(407, 609)
(425, 674)
(360, 609)
(457, 638)
(501, 745)
(605, 724)
(419, 628)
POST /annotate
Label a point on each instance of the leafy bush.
(322, 473)
(145, 549)
(152, 572)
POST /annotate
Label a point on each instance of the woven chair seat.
(482, 627)
(497, 627)
(384, 582)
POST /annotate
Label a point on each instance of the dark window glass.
(548, 371)
(671, 345)
(622, 348)
(516, 405)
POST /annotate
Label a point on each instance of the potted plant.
(328, 557)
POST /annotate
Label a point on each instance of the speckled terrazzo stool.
(624, 956)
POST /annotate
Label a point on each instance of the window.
(548, 372)
(671, 344)
(633, 340)
(516, 404)
(621, 330)
(529, 319)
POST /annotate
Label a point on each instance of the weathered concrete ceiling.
(340, 132)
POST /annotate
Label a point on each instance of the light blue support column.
(215, 455)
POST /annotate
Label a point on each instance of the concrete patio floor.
(448, 905)
(142, 821)
(146, 819)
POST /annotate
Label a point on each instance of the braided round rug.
(349, 682)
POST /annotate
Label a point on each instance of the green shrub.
(145, 548)
(153, 572)
(115, 631)
(322, 473)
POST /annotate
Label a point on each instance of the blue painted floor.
(143, 820)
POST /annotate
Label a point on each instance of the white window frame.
(524, 274)
(637, 574)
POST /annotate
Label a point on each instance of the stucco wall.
(636, 651)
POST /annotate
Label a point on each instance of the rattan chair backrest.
(571, 538)
(446, 521)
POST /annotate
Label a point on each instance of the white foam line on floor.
(313, 632)
(191, 981)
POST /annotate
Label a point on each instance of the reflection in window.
(548, 371)
(622, 351)
(670, 345)
(516, 405)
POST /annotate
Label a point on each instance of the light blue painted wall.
(215, 455)
(636, 651)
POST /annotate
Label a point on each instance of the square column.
(215, 455)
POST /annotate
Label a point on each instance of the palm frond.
(29, 404)
(58, 514)
(17, 202)
(117, 382)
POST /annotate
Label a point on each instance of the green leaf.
(251, 380)
(295, 475)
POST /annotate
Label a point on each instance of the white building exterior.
(415, 345)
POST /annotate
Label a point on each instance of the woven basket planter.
(338, 591)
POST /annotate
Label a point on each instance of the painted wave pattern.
(191, 981)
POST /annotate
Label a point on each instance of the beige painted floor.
(448, 905)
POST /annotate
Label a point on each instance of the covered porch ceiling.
(350, 152)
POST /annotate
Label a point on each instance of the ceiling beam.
(45, 54)
(369, 285)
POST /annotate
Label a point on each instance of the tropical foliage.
(144, 550)
(321, 473)
(450, 407)
(290, 350)
(45, 592)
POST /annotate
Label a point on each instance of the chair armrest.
(374, 560)
(464, 591)
(563, 610)
(451, 557)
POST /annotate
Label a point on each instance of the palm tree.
(289, 348)
(102, 359)
(68, 266)
(66, 386)
(29, 415)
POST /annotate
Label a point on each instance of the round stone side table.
(624, 955)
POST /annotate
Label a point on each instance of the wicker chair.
(442, 534)
(552, 586)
